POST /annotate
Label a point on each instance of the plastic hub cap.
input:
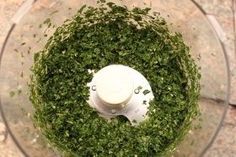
(114, 85)
(119, 90)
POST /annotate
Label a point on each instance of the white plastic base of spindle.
(120, 90)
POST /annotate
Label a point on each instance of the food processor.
(35, 22)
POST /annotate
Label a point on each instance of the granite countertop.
(225, 144)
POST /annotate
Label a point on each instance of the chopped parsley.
(94, 38)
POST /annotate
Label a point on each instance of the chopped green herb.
(29, 50)
(23, 43)
(54, 12)
(140, 87)
(22, 73)
(22, 54)
(47, 21)
(134, 121)
(93, 39)
(145, 102)
(12, 93)
(19, 91)
(192, 143)
(145, 92)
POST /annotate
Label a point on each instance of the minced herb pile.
(93, 39)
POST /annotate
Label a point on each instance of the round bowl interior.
(31, 33)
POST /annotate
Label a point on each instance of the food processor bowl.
(36, 21)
